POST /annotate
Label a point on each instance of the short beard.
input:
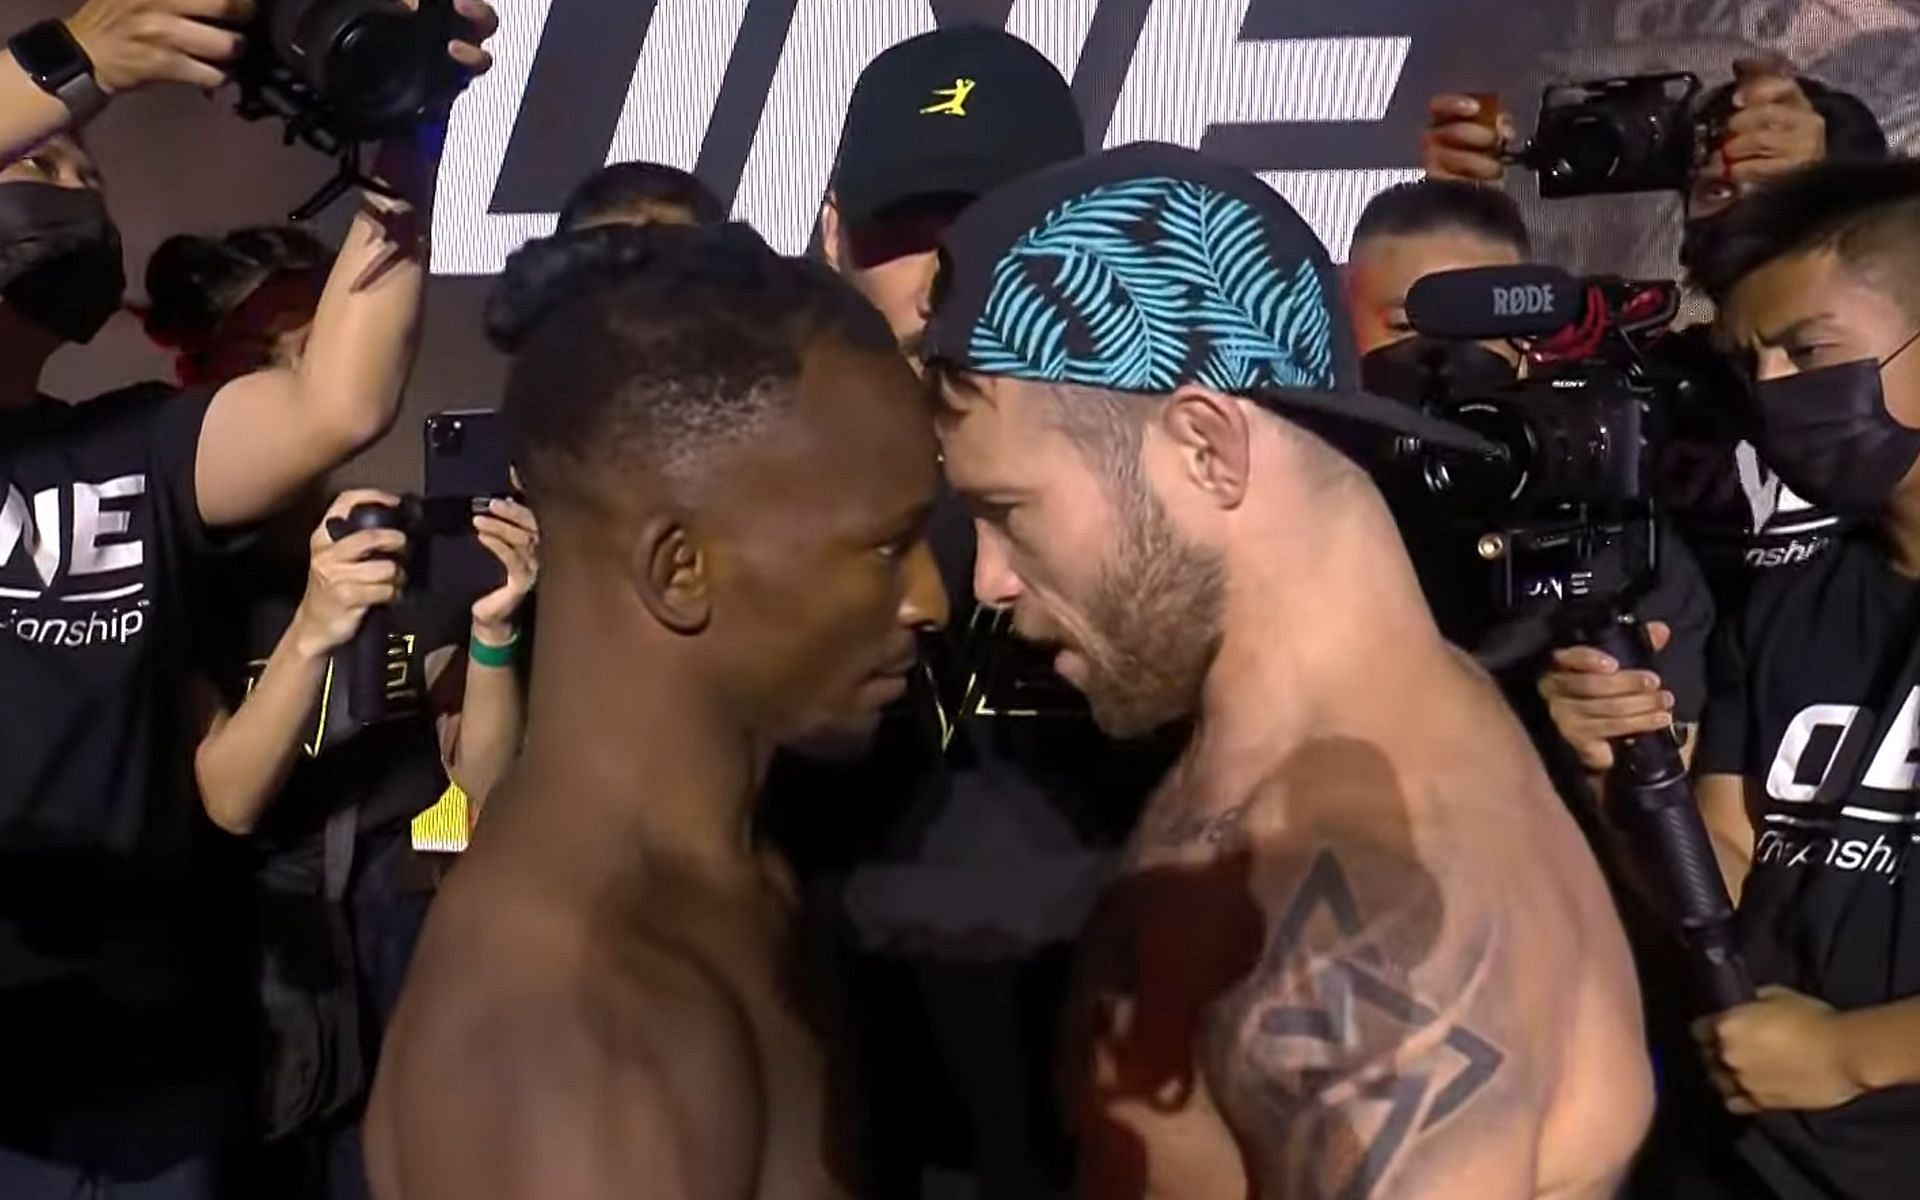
(1157, 612)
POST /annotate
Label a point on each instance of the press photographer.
(1660, 133)
(114, 1018)
(324, 792)
(1804, 772)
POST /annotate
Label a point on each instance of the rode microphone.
(1485, 303)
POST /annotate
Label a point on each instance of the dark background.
(176, 161)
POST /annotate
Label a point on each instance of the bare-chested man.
(733, 466)
(1357, 949)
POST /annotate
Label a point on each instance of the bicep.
(554, 1123)
(1367, 1055)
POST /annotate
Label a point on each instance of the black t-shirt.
(389, 768)
(109, 934)
(1830, 907)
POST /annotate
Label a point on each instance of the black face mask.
(60, 264)
(1830, 437)
(1419, 369)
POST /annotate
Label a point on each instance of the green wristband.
(493, 656)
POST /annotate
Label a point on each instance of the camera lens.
(375, 64)
(1593, 147)
(376, 74)
(1476, 483)
(447, 435)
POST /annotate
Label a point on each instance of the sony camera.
(1565, 510)
(1638, 133)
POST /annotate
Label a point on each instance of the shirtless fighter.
(1357, 948)
(733, 466)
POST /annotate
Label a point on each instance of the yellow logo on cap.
(954, 103)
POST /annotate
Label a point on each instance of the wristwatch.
(55, 61)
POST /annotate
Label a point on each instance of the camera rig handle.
(1655, 796)
(367, 652)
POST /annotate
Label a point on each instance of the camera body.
(346, 71)
(1635, 133)
(1566, 512)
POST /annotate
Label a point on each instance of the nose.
(924, 605)
(995, 583)
(1772, 363)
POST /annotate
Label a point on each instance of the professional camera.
(1611, 136)
(1565, 512)
(342, 72)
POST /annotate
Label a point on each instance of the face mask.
(1418, 369)
(60, 265)
(1830, 437)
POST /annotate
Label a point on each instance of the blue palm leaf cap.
(1142, 269)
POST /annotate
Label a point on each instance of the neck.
(23, 359)
(1900, 529)
(630, 754)
(1341, 657)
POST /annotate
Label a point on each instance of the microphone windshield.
(1484, 303)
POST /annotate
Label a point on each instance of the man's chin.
(843, 740)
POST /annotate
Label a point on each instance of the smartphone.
(467, 454)
(467, 465)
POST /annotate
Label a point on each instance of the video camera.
(1569, 514)
(1637, 133)
(343, 72)
(1567, 509)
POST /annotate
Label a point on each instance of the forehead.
(1387, 266)
(994, 433)
(859, 446)
(1795, 288)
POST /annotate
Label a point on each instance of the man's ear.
(673, 576)
(1209, 429)
(830, 231)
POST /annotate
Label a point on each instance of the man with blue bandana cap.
(1356, 947)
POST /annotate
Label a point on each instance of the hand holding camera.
(1464, 141)
(1774, 130)
(136, 42)
(348, 575)
(1591, 699)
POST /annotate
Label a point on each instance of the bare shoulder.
(516, 1070)
(1374, 1048)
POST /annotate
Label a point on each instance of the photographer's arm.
(483, 713)
(28, 116)
(244, 756)
(1723, 809)
(269, 434)
(130, 43)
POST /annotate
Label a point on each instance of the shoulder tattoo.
(1336, 1062)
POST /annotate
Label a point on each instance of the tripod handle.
(1652, 783)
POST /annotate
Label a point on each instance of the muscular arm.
(1364, 1057)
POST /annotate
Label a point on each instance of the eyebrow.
(1794, 331)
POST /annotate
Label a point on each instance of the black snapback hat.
(1150, 267)
(956, 111)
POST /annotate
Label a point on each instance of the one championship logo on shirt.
(61, 585)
